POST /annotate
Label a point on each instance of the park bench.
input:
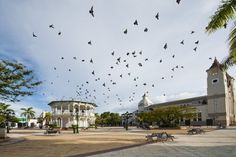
(52, 131)
(160, 137)
(195, 131)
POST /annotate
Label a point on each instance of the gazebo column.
(79, 115)
(56, 110)
(86, 110)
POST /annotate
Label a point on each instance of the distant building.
(217, 107)
(64, 113)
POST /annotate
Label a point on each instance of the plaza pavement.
(105, 142)
(218, 143)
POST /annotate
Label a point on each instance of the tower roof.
(145, 101)
(216, 64)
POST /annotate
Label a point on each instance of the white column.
(61, 109)
(56, 110)
(79, 114)
(73, 109)
(86, 111)
(61, 122)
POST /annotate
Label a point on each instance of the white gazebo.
(64, 113)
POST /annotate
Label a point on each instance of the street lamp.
(126, 117)
(77, 120)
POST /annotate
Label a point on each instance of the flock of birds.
(84, 93)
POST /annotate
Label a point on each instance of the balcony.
(69, 113)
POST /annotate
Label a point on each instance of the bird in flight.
(59, 33)
(125, 31)
(197, 42)
(182, 42)
(34, 35)
(146, 29)
(157, 16)
(192, 32)
(113, 53)
(51, 26)
(135, 22)
(178, 1)
(118, 59)
(165, 46)
(225, 25)
(195, 49)
(91, 11)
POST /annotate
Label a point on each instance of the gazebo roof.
(72, 101)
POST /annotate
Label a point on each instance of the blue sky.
(19, 19)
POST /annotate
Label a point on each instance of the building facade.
(217, 107)
(66, 113)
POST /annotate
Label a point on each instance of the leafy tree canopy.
(225, 13)
(15, 81)
(168, 115)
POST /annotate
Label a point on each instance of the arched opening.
(59, 122)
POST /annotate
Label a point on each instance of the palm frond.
(223, 14)
(232, 44)
(227, 62)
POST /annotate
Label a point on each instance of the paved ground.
(105, 142)
(217, 143)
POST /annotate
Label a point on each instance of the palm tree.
(6, 114)
(225, 13)
(28, 113)
(47, 117)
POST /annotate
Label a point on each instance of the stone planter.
(3, 133)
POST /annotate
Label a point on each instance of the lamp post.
(126, 117)
(77, 120)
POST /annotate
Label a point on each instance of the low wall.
(3, 133)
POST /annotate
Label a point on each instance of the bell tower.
(220, 92)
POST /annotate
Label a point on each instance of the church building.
(217, 107)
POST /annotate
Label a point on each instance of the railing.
(67, 112)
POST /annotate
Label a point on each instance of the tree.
(28, 113)
(225, 13)
(6, 115)
(47, 117)
(167, 116)
(15, 81)
(98, 120)
(114, 119)
(107, 118)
